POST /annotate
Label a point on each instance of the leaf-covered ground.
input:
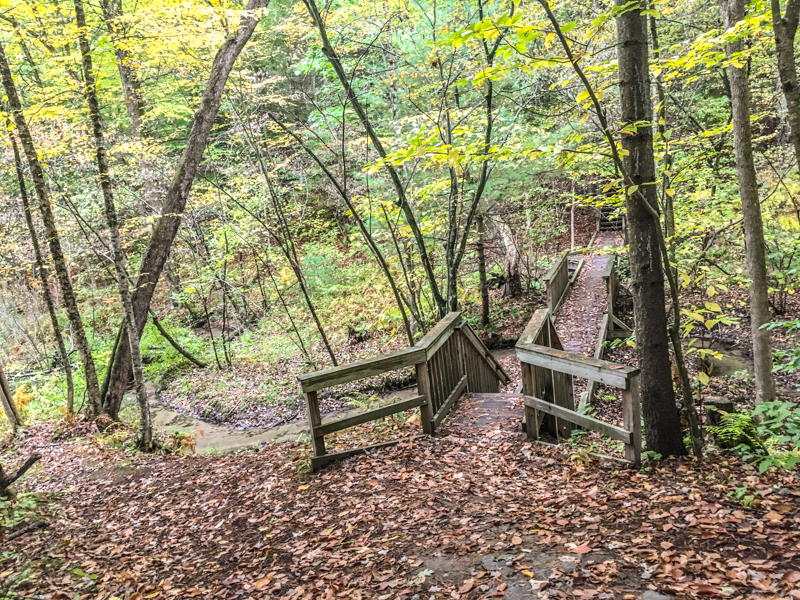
(475, 512)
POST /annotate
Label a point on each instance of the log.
(7, 479)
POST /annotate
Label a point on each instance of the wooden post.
(531, 414)
(314, 421)
(424, 389)
(631, 420)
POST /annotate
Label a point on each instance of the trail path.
(579, 317)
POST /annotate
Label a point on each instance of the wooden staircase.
(608, 221)
(450, 360)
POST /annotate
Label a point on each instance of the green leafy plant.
(735, 430)
(769, 436)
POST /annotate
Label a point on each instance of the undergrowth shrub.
(768, 436)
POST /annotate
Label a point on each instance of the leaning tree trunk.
(53, 240)
(785, 28)
(166, 228)
(661, 418)
(7, 400)
(43, 276)
(145, 427)
(733, 13)
(484, 285)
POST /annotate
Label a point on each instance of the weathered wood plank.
(621, 325)
(318, 462)
(557, 265)
(576, 365)
(451, 400)
(591, 386)
(631, 419)
(370, 415)
(437, 336)
(571, 416)
(609, 267)
(311, 382)
(424, 389)
(533, 329)
(577, 272)
(314, 421)
(483, 351)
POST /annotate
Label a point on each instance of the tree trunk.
(7, 400)
(661, 418)
(43, 276)
(90, 91)
(402, 200)
(484, 286)
(6, 479)
(51, 231)
(166, 228)
(511, 274)
(785, 30)
(134, 102)
(732, 13)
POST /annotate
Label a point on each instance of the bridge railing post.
(632, 420)
(424, 389)
(315, 421)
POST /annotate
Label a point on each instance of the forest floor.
(475, 512)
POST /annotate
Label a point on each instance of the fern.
(737, 429)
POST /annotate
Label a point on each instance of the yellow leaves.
(302, 487)
(632, 189)
(703, 377)
(21, 397)
(670, 192)
(711, 291)
(713, 307)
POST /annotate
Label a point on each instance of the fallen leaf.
(582, 549)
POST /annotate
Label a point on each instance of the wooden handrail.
(437, 336)
(534, 327)
(476, 342)
(551, 272)
(578, 366)
(371, 415)
(361, 369)
(612, 431)
(445, 365)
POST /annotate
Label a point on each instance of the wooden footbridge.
(451, 361)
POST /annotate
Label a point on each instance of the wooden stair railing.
(547, 373)
(449, 360)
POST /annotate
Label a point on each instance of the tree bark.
(732, 13)
(785, 28)
(51, 231)
(6, 479)
(90, 91)
(661, 418)
(44, 277)
(7, 400)
(484, 286)
(173, 342)
(166, 228)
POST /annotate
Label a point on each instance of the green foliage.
(21, 507)
(768, 436)
(788, 361)
(736, 430)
